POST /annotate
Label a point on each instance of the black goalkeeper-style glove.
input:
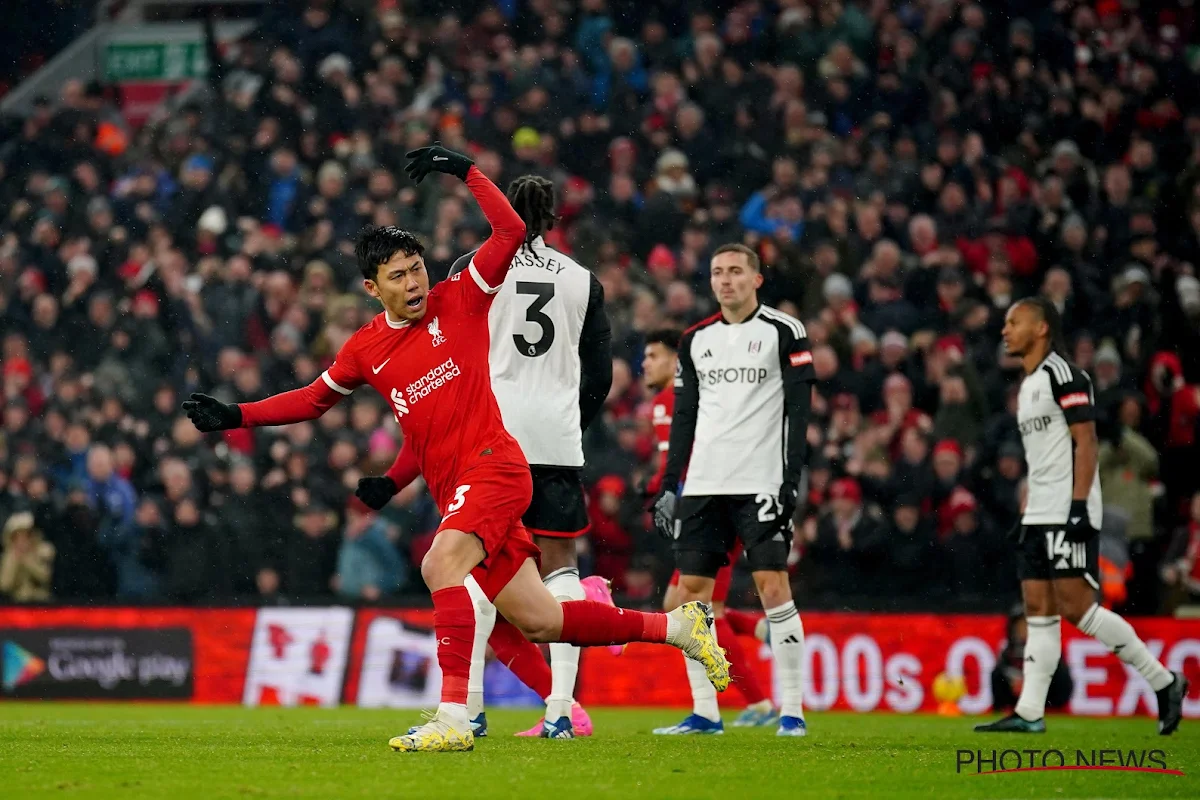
(436, 158)
(209, 414)
(787, 506)
(664, 514)
(1079, 527)
(376, 492)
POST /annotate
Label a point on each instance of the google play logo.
(20, 666)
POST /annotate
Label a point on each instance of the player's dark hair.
(532, 197)
(1049, 314)
(738, 247)
(376, 245)
(667, 337)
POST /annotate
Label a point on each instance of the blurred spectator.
(311, 554)
(368, 565)
(911, 554)
(846, 546)
(1181, 567)
(970, 548)
(1128, 466)
(611, 542)
(27, 561)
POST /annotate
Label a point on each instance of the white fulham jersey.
(1054, 397)
(734, 381)
(536, 322)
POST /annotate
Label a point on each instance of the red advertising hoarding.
(387, 658)
(220, 640)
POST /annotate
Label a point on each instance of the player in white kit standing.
(1057, 540)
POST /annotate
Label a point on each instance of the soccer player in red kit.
(427, 354)
(660, 359)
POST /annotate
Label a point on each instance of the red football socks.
(454, 627)
(741, 621)
(590, 624)
(521, 656)
(739, 668)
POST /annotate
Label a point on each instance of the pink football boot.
(596, 589)
(580, 722)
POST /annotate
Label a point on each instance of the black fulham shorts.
(707, 526)
(1045, 554)
(557, 509)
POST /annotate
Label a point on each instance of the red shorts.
(488, 503)
(724, 575)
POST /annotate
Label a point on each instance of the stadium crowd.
(905, 170)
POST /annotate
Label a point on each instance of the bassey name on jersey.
(713, 377)
(1035, 425)
(526, 258)
(433, 380)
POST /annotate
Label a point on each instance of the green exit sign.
(155, 61)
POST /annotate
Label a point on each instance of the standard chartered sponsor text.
(435, 379)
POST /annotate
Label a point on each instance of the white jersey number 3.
(460, 497)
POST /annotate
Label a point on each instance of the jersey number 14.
(1069, 555)
(542, 294)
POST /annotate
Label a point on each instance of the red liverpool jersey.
(664, 409)
(434, 372)
(435, 376)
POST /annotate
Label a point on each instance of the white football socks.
(564, 658)
(456, 715)
(1043, 648)
(485, 620)
(1119, 636)
(704, 696)
(787, 647)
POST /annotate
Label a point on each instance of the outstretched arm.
(298, 405)
(494, 257)
(492, 260)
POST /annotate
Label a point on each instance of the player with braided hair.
(532, 197)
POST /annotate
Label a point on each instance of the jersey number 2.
(768, 507)
(542, 294)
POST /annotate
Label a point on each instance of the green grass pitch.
(171, 751)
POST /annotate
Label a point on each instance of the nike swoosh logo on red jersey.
(375, 370)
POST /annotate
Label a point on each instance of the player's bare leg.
(671, 597)
(706, 716)
(526, 603)
(445, 569)
(1076, 601)
(787, 647)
